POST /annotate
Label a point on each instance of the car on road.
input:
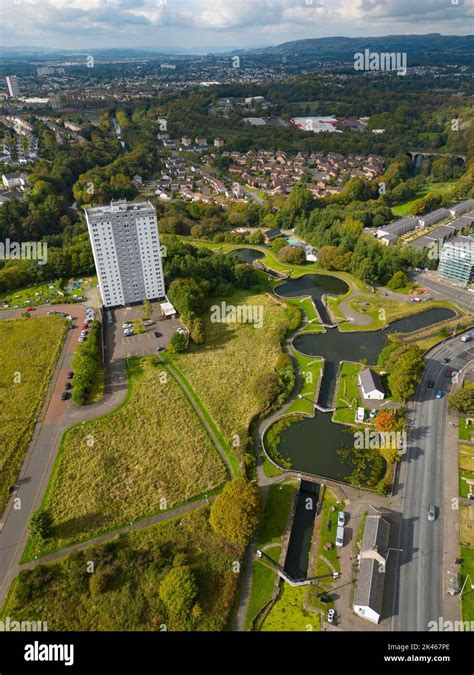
(341, 519)
(431, 513)
(159, 348)
(64, 395)
(439, 393)
(430, 384)
(51, 311)
(70, 374)
(340, 536)
(157, 334)
(466, 338)
(331, 615)
(446, 359)
(67, 385)
(448, 372)
(31, 309)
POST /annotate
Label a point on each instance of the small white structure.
(168, 310)
(370, 384)
(360, 415)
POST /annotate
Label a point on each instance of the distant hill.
(343, 48)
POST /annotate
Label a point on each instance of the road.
(420, 588)
(443, 290)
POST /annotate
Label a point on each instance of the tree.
(294, 255)
(187, 296)
(147, 309)
(278, 244)
(179, 590)
(398, 280)
(463, 400)
(198, 334)
(385, 420)
(266, 387)
(178, 343)
(236, 512)
(41, 524)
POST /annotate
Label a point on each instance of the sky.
(218, 25)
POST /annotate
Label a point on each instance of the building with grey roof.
(388, 233)
(458, 209)
(456, 261)
(370, 384)
(368, 597)
(433, 217)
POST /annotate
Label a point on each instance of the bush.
(236, 512)
(41, 523)
(100, 581)
(463, 400)
(266, 388)
(178, 591)
(399, 280)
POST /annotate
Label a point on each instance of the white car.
(341, 519)
(127, 325)
(181, 331)
(148, 322)
(331, 615)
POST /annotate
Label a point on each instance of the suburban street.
(443, 290)
(421, 588)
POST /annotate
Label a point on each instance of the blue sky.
(204, 25)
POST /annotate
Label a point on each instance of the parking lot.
(142, 344)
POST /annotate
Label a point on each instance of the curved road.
(421, 590)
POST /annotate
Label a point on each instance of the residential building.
(218, 142)
(272, 234)
(13, 86)
(456, 261)
(459, 209)
(126, 249)
(389, 233)
(368, 597)
(186, 141)
(433, 217)
(15, 180)
(370, 384)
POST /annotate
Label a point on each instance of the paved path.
(137, 525)
(55, 418)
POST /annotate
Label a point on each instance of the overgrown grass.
(149, 455)
(62, 593)
(467, 568)
(465, 487)
(29, 351)
(465, 430)
(224, 370)
(288, 612)
(466, 520)
(348, 393)
(311, 369)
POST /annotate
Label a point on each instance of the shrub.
(178, 343)
(294, 255)
(41, 523)
(179, 590)
(86, 363)
(266, 388)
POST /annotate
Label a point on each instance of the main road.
(421, 587)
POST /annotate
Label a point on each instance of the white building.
(13, 86)
(370, 384)
(368, 597)
(127, 254)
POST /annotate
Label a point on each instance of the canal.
(299, 546)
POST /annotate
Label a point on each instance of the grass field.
(466, 457)
(441, 188)
(347, 393)
(29, 351)
(466, 519)
(40, 294)
(149, 455)
(311, 369)
(465, 430)
(467, 567)
(275, 517)
(63, 594)
(235, 354)
(466, 483)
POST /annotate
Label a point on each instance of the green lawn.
(466, 488)
(149, 455)
(272, 528)
(465, 430)
(288, 613)
(347, 393)
(467, 568)
(311, 369)
(66, 595)
(29, 352)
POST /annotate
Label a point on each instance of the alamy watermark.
(25, 250)
(9, 625)
(382, 61)
(225, 313)
(442, 625)
(368, 439)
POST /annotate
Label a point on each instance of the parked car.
(67, 385)
(341, 519)
(448, 372)
(127, 325)
(157, 334)
(430, 384)
(373, 413)
(51, 311)
(148, 322)
(181, 330)
(70, 374)
(64, 395)
(331, 615)
(159, 348)
(340, 536)
(85, 325)
(439, 393)
(431, 513)
(31, 309)
(466, 338)
(446, 359)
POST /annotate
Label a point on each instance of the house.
(370, 384)
(14, 180)
(271, 235)
(6, 196)
(186, 141)
(368, 597)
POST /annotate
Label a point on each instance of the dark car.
(446, 360)
(448, 372)
(70, 374)
(68, 385)
(430, 384)
(64, 395)
(157, 334)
